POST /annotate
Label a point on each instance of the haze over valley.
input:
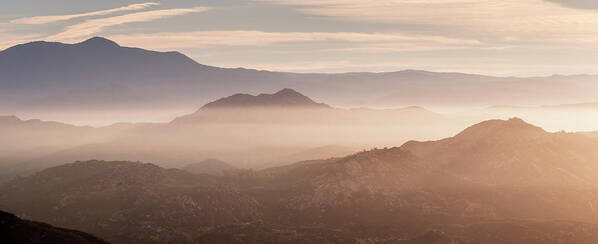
(282, 121)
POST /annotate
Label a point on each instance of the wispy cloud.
(55, 18)
(11, 39)
(93, 26)
(209, 39)
(530, 20)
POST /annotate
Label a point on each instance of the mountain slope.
(24, 140)
(493, 177)
(92, 65)
(126, 202)
(483, 172)
(288, 106)
(209, 166)
(99, 73)
(515, 153)
(17, 231)
(288, 98)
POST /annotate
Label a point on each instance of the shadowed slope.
(17, 231)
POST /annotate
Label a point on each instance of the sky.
(493, 37)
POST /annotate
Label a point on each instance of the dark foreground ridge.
(14, 230)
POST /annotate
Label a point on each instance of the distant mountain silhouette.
(63, 71)
(582, 106)
(25, 140)
(283, 98)
(34, 144)
(208, 166)
(288, 106)
(14, 230)
(98, 73)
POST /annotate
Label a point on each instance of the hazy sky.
(498, 37)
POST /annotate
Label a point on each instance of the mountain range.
(249, 131)
(100, 74)
(498, 181)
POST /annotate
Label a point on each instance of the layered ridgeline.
(18, 231)
(288, 106)
(98, 73)
(551, 117)
(248, 131)
(499, 181)
(30, 145)
(35, 137)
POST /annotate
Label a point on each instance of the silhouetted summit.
(72, 73)
(99, 42)
(500, 128)
(283, 98)
(262, 108)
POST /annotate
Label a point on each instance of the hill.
(287, 98)
(126, 202)
(497, 176)
(209, 166)
(18, 231)
(500, 170)
(479, 173)
(512, 152)
(288, 106)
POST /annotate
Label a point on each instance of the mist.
(102, 143)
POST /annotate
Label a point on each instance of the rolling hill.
(498, 181)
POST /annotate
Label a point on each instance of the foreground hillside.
(127, 202)
(499, 181)
(18, 231)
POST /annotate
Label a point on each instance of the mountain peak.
(209, 166)
(98, 42)
(283, 98)
(497, 127)
(288, 92)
